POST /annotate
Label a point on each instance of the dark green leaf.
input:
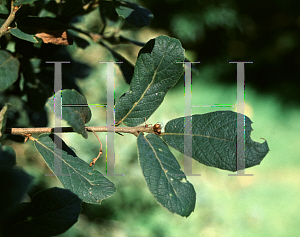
(134, 14)
(23, 2)
(9, 69)
(50, 212)
(14, 183)
(108, 12)
(21, 35)
(156, 71)
(76, 116)
(89, 184)
(71, 7)
(214, 140)
(37, 92)
(7, 157)
(164, 177)
(33, 25)
(3, 9)
(3, 117)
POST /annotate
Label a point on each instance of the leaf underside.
(214, 140)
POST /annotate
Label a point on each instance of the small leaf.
(50, 212)
(163, 176)
(23, 2)
(76, 116)
(89, 184)
(3, 117)
(156, 71)
(134, 14)
(21, 35)
(214, 140)
(9, 69)
(46, 28)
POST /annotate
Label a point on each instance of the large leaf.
(214, 140)
(50, 212)
(76, 116)
(134, 14)
(89, 184)
(3, 117)
(9, 69)
(164, 177)
(156, 71)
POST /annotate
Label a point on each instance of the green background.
(265, 204)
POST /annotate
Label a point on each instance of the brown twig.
(5, 27)
(132, 130)
(100, 152)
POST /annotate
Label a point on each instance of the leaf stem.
(5, 27)
(132, 130)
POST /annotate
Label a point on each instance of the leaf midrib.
(142, 96)
(6, 61)
(64, 161)
(164, 170)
